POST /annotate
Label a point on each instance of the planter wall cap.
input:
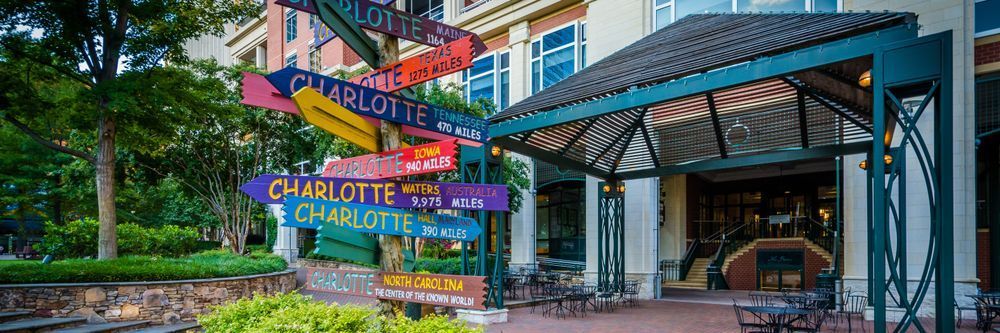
(142, 283)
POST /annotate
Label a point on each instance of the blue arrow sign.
(382, 105)
(311, 213)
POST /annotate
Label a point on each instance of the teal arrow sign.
(311, 213)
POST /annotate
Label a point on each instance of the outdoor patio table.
(805, 301)
(559, 294)
(776, 317)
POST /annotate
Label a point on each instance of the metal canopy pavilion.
(682, 106)
(718, 91)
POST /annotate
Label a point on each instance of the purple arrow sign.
(272, 189)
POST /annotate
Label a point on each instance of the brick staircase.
(22, 321)
(697, 278)
(749, 246)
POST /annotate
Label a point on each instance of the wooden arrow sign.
(385, 19)
(310, 213)
(257, 91)
(442, 60)
(321, 33)
(273, 189)
(382, 105)
(427, 158)
(335, 119)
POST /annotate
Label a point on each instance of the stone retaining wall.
(162, 302)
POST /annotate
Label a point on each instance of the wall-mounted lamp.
(495, 151)
(865, 80)
(887, 158)
(621, 188)
(607, 188)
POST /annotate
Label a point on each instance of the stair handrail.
(688, 259)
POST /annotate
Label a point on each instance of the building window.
(291, 28)
(554, 56)
(987, 17)
(432, 9)
(315, 60)
(668, 11)
(663, 13)
(489, 78)
(312, 21)
(292, 60)
(583, 44)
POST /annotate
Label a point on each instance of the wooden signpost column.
(391, 246)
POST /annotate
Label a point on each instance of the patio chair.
(540, 296)
(752, 326)
(759, 298)
(854, 304)
(811, 323)
(631, 292)
(605, 298)
(975, 309)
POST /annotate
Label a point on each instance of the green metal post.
(479, 166)
(877, 294)
(944, 290)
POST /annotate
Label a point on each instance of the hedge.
(293, 312)
(209, 264)
(78, 239)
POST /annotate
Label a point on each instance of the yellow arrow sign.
(335, 119)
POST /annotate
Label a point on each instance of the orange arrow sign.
(442, 60)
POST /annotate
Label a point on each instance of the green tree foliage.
(450, 96)
(86, 78)
(227, 144)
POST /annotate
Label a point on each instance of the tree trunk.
(391, 135)
(107, 238)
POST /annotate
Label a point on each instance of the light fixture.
(607, 188)
(495, 151)
(865, 80)
(621, 188)
(863, 165)
(887, 158)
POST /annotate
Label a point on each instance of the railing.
(670, 269)
(729, 242)
(248, 19)
(571, 265)
(688, 259)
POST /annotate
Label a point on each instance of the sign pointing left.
(315, 213)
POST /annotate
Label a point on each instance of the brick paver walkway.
(650, 316)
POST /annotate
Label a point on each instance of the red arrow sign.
(432, 157)
(442, 60)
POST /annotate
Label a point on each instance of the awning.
(711, 91)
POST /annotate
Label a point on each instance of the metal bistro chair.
(854, 304)
(976, 308)
(540, 296)
(752, 326)
(630, 293)
(811, 323)
(759, 298)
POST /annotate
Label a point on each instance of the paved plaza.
(680, 311)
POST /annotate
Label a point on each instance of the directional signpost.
(458, 291)
(385, 19)
(335, 119)
(274, 189)
(308, 213)
(378, 104)
(442, 60)
(427, 158)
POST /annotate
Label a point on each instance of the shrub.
(203, 245)
(296, 313)
(446, 266)
(78, 239)
(210, 264)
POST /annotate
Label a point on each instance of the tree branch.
(42, 141)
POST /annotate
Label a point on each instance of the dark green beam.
(743, 161)
(803, 128)
(343, 24)
(764, 68)
(549, 157)
(716, 126)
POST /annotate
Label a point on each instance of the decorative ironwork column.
(611, 236)
(484, 165)
(898, 75)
